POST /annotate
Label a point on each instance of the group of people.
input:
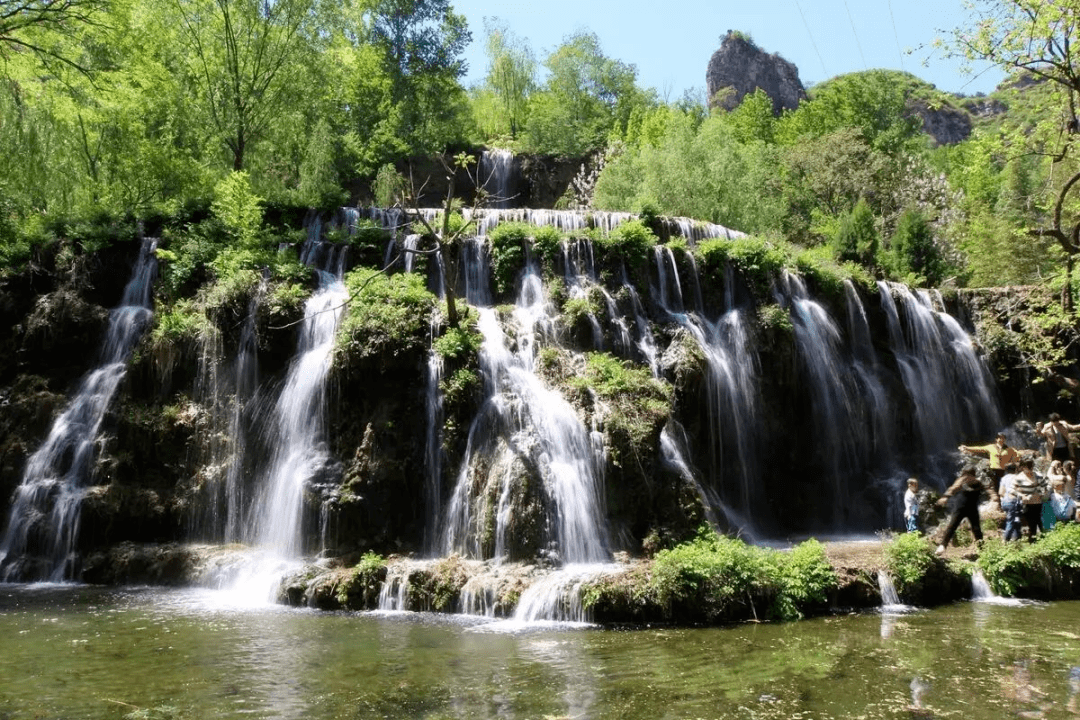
(1027, 498)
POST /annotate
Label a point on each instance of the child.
(911, 505)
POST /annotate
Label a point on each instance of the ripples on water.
(76, 651)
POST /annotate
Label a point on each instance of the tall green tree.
(511, 72)
(1038, 37)
(243, 59)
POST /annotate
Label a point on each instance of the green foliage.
(238, 209)
(460, 387)
(547, 243)
(637, 403)
(908, 559)
(360, 589)
(458, 343)
(1032, 568)
(719, 576)
(759, 260)
(508, 242)
(633, 240)
(177, 324)
(388, 187)
(912, 254)
(386, 316)
(857, 239)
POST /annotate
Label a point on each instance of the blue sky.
(670, 41)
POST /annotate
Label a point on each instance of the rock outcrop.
(739, 68)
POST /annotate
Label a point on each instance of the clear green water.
(78, 652)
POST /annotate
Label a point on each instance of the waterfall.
(525, 429)
(731, 383)
(889, 597)
(950, 386)
(299, 452)
(433, 452)
(874, 398)
(840, 434)
(230, 393)
(496, 168)
(43, 527)
(673, 454)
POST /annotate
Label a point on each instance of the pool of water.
(84, 652)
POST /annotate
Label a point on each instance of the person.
(1010, 503)
(1062, 504)
(1055, 475)
(968, 487)
(911, 505)
(1000, 455)
(1044, 443)
(1069, 468)
(1056, 432)
(1031, 491)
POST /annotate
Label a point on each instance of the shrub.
(238, 208)
(758, 259)
(719, 577)
(1035, 568)
(632, 240)
(361, 588)
(547, 244)
(507, 253)
(908, 559)
(458, 343)
(857, 239)
(386, 315)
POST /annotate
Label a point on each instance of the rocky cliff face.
(739, 67)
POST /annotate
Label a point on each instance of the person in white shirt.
(1010, 503)
(911, 505)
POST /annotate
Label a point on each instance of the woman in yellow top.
(1000, 455)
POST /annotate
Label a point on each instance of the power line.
(856, 34)
(896, 35)
(812, 43)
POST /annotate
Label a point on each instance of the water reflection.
(71, 651)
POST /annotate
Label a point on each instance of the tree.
(241, 57)
(422, 43)
(511, 72)
(35, 25)
(857, 239)
(587, 95)
(1037, 37)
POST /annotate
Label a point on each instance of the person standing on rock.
(911, 505)
(1057, 432)
(970, 489)
(1031, 490)
(1010, 503)
(1000, 455)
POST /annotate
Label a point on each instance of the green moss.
(759, 260)
(508, 242)
(360, 589)
(386, 316)
(637, 404)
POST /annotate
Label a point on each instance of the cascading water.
(842, 435)
(43, 526)
(229, 391)
(299, 452)
(731, 383)
(949, 384)
(496, 167)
